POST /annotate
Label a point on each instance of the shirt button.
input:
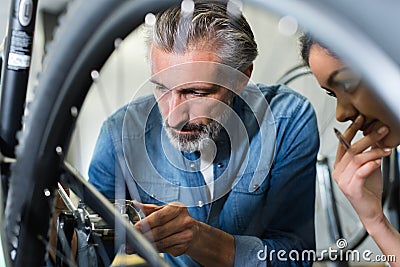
(220, 165)
(153, 196)
(200, 203)
(193, 165)
(256, 186)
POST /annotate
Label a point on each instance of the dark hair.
(306, 42)
(211, 26)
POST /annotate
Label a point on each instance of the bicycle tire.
(38, 162)
(83, 42)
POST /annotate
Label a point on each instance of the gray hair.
(211, 27)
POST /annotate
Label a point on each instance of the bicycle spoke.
(92, 197)
(58, 253)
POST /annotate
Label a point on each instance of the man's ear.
(248, 71)
(243, 82)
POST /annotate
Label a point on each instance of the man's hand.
(174, 231)
(169, 227)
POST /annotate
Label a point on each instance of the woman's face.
(353, 98)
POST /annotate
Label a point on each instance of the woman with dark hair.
(357, 166)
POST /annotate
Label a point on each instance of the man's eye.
(161, 88)
(198, 93)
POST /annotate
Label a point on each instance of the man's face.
(193, 105)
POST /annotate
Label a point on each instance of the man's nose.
(178, 114)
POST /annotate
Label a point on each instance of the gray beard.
(193, 142)
(197, 141)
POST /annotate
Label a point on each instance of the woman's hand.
(357, 172)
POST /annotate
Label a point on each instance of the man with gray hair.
(223, 169)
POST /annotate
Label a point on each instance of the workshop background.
(127, 70)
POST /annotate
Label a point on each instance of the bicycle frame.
(14, 66)
(15, 71)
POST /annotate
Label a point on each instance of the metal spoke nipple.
(117, 43)
(288, 25)
(95, 75)
(187, 6)
(59, 150)
(47, 192)
(74, 112)
(150, 19)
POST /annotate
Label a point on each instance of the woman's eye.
(332, 94)
(350, 86)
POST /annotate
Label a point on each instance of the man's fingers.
(161, 216)
(176, 240)
(147, 208)
(172, 227)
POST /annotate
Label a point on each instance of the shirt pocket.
(247, 201)
(158, 193)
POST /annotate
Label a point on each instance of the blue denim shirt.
(264, 183)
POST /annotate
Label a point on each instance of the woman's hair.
(306, 42)
(212, 27)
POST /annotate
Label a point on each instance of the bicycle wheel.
(62, 89)
(82, 44)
